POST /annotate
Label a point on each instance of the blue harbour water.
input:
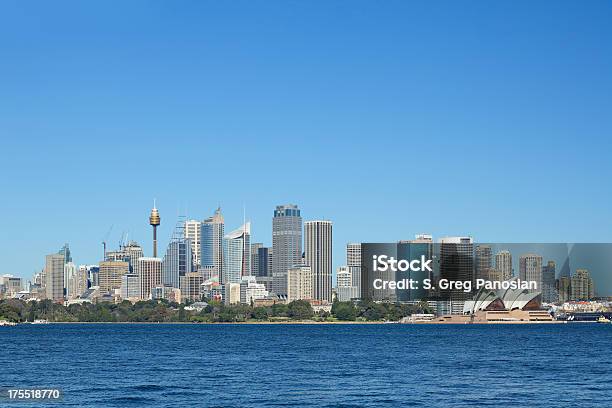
(122, 365)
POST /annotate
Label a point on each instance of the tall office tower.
(130, 286)
(150, 274)
(81, 279)
(255, 267)
(549, 292)
(530, 269)
(237, 254)
(65, 251)
(93, 275)
(70, 272)
(133, 251)
(353, 262)
(110, 275)
(299, 283)
(581, 286)
(503, 264)
(211, 244)
(318, 251)
(154, 221)
(345, 289)
(456, 264)
(178, 261)
(484, 261)
(264, 256)
(54, 277)
(286, 244)
(564, 288)
(193, 230)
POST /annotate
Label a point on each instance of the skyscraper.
(130, 286)
(286, 244)
(133, 252)
(484, 261)
(70, 274)
(456, 264)
(549, 291)
(193, 230)
(110, 275)
(54, 277)
(503, 264)
(150, 274)
(237, 254)
(211, 244)
(318, 251)
(353, 263)
(530, 269)
(177, 262)
(581, 286)
(255, 247)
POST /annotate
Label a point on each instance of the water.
(117, 365)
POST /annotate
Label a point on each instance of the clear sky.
(490, 119)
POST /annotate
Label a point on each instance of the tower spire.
(154, 221)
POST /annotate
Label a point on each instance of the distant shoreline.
(322, 323)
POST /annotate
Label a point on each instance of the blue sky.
(491, 119)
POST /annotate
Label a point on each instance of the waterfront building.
(299, 283)
(456, 264)
(166, 292)
(237, 254)
(318, 255)
(503, 264)
(191, 286)
(230, 293)
(54, 276)
(345, 289)
(211, 243)
(12, 284)
(193, 230)
(530, 269)
(286, 244)
(251, 290)
(581, 286)
(130, 286)
(110, 275)
(150, 274)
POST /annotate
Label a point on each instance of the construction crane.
(104, 241)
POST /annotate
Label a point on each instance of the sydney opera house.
(502, 306)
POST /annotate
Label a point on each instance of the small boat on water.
(603, 319)
(40, 321)
(7, 323)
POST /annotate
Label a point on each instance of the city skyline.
(303, 99)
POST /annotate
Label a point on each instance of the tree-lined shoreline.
(18, 311)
